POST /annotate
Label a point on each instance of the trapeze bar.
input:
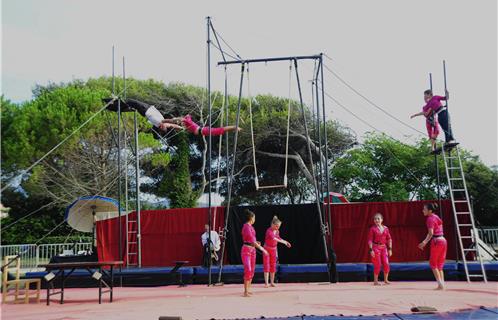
(269, 59)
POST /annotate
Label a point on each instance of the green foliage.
(177, 185)
(175, 169)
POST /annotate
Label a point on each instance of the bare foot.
(246, 294)
(387, 282)
(266, 285)
(439, 287)
(273, 285)
(376, 284)
(249, 293)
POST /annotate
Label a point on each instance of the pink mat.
(202, 302)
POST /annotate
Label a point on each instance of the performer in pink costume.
(434, 113)
(194, 128)
(248, 252)
(438, 243)
(380, 248)
(272, 239)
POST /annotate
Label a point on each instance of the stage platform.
(301, 273)
(297, 300)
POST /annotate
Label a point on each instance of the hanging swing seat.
(256, 179)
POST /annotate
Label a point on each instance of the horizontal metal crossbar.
(313, 57)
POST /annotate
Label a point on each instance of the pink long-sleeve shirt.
(271, 237)
(377, 237)
(248, 233)
(433, 104)
(435, 223)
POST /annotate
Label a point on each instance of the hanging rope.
(256, 175)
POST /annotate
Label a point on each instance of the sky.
(385, 49)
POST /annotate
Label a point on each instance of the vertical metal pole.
(119, 182)
(113, 89)
(230, 177)
(209, 141)
(325, 137)
(318, 106)
(319, 174)
(447, 105)
(120, 254)
(227, 146)
(445, 84)
(311, 160)
(125, 149)
(436, 164)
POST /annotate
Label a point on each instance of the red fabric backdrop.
(406, 222)
(170, 235)
(167, 236)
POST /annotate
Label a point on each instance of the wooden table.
(59, 268)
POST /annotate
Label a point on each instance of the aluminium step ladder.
(462, 210)
(131, 242)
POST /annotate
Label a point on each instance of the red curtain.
(175, 234)
(167, 235)
(406, 222)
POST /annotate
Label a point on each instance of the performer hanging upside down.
(436, 113)
(157, 120)
(438, 243)
(248, 252)
(380, 248)
(194, 128)
(272, 239)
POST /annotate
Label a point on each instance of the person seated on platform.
(210, 252)
(380, 247)
(435, 114)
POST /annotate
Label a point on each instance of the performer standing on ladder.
(272, 239)
(248, 252)
(438, 243)
(380, 246)
(435, 112)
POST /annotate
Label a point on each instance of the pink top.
(248, 233)
(377, 237)
(189, 124)
(434, 104)
(435, 223)
(271, 237)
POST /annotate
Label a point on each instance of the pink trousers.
(194, 128)
(432, 130)
(381, 258)
(438, 253)
(270, 260)
(248, 255)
